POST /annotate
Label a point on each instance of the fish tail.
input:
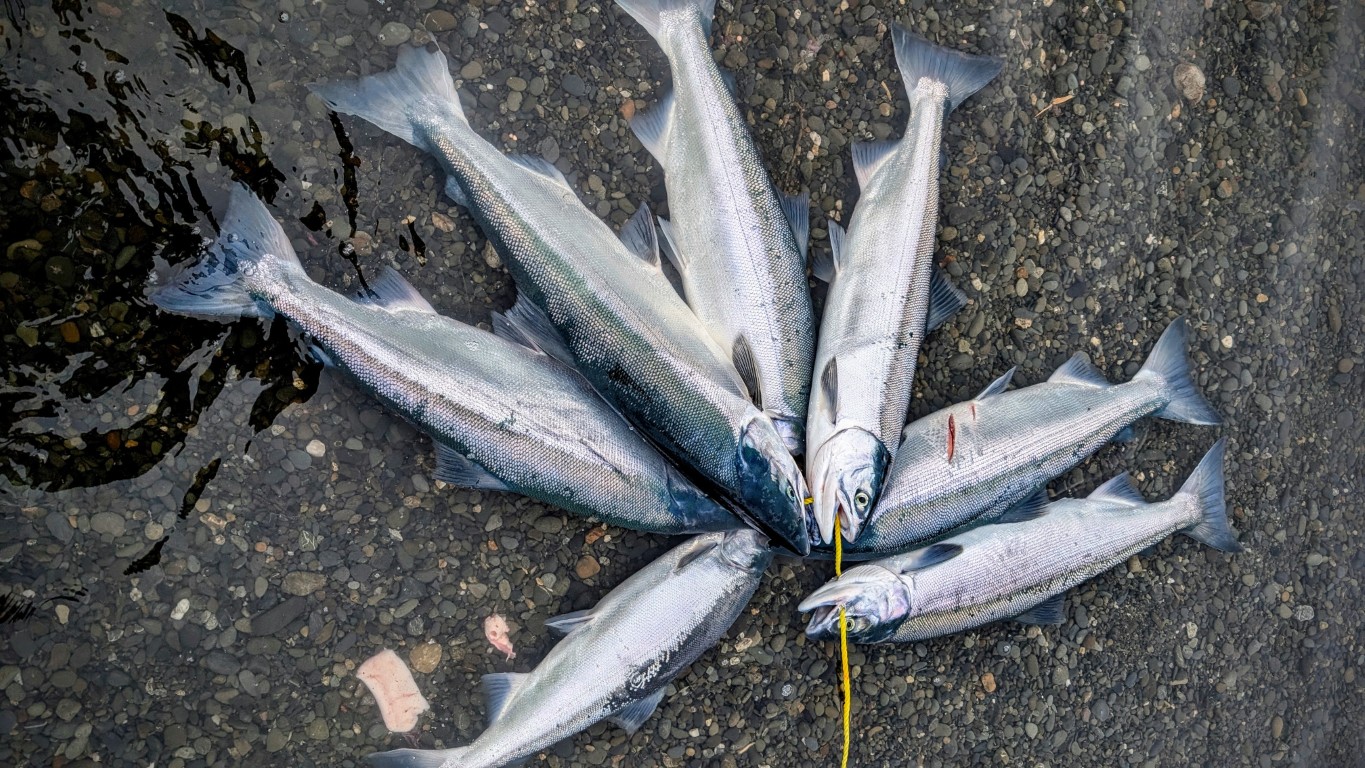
(216, 286)
(1169, 365)
(962, 73)
(648, 12)
(1205, 484)
(418, 758)
(417, 91)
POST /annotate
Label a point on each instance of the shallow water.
(204, 534)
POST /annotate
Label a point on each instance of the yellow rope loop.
(843, 651)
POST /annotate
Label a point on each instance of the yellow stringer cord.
(843, 650)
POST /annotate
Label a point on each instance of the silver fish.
(623, 323)
(739, 246)
(502, 416)
(969, 462)
(885, 291)
(1018, 569)
(617, 657)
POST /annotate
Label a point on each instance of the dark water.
(174, 487)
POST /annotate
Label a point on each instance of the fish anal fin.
(453, 468)
(1030, 507)
(945, 299)
(634, 715)
(868, 156)
(652, 127)
(1118, 490)
(997, 386)
(543, 167)
(837, 236)
(797, 210)
(1079, 371)
(640, 236)
(1049, 612)
(391, 291)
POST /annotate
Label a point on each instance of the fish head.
(746, 549)
(875, 600)
(771, 485)
(847, 472)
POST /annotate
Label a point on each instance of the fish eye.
(861, 499)
(791, 493)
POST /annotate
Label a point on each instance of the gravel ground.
(203, 536)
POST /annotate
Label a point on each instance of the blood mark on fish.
(952, 435)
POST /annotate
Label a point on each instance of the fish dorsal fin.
(743, 356)
(456, 192)
(797, 210)
(1050, 611)
(498, 689)
(652, 127)
(543, 167)
(640, 237)
(392, 292)
(528, 325)
(997, 386)
(453, 468)
(1030, 507)
(633, 715)
(695, 549)
(945, 299)
(829, 385)
(932, 555)
(568, 622)
(868, 156)
(1118, 490)
(1079, 371)
(670, 247)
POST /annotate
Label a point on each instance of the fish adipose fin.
(1118, 490)
(391, 291)
(945, 299)
(634, 715)
(743, 356)
(868, 156)
(1079, 371)
(498, 689)
(1030, 507)
(647, 12)
(457, 470)
(1050, 611)
(568, 622)
(417, 90)
(797, 210)
(1205, 484)
(1169, 365)
(526, 324)
(214, 287)
(640, 237)
(652, 127)
(997, 386)
(417, 758)
(963, 73)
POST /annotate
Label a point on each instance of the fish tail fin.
(418, 758)
(216, 286)
(418, 88)
(1205, 484)
(648, 12)
(963, 73)
(1169, 365)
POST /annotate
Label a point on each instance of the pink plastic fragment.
(391, 684)
(495, 629)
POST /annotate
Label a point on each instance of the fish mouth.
(849, 524)
(824, 623)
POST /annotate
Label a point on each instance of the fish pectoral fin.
(640, 237)
(997, 386)
(526, 324)
(1080, 371)
(543, 167)
(652, 127)
(1118, 490)
(743, 356)
(697, 548)
(393, 292)
(945, 299)
(797, 210)
(1030, 507)
(453, 468)
(498, 689)
(868, 156)
(930, 556)
(829, 387)
(633, 715)
(568, 622)
(1050, 611)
